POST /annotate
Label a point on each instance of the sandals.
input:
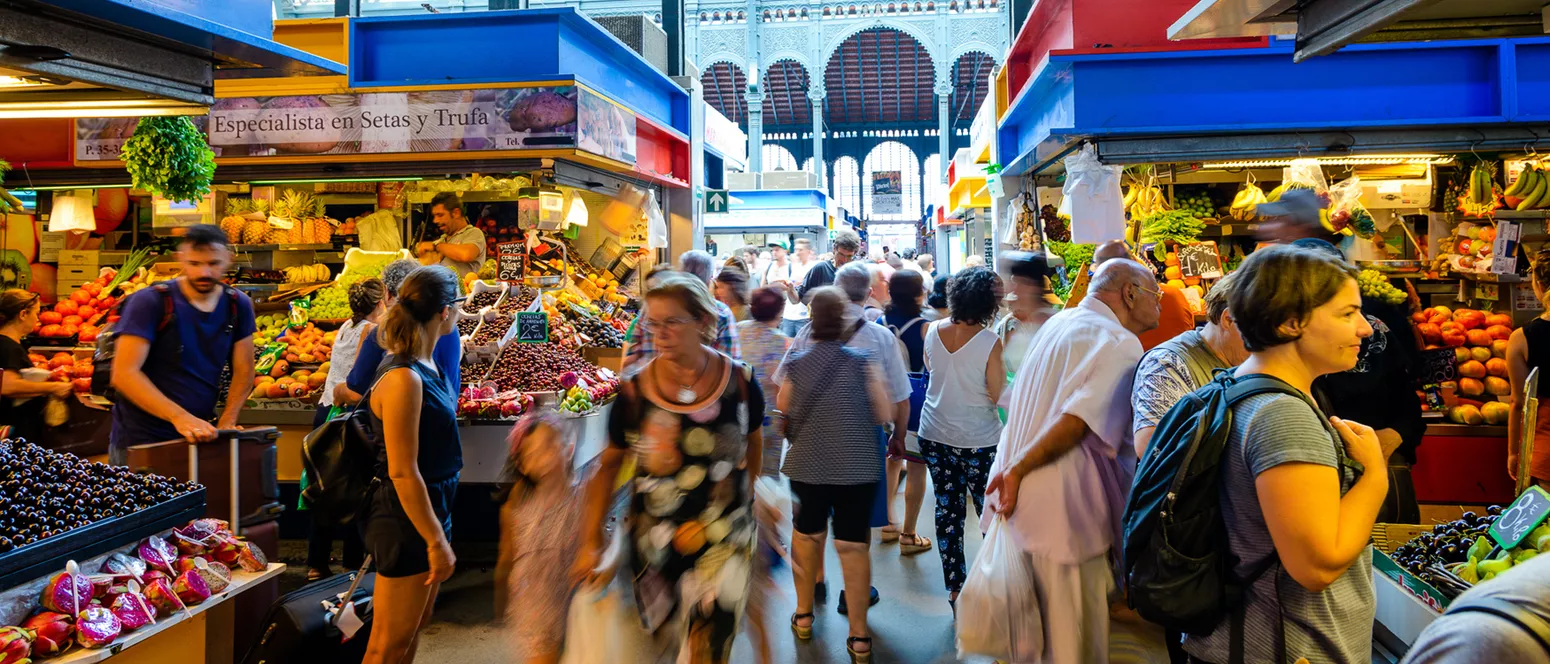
(804, 633)
(859, 657)
(911, 544)
(890, 534)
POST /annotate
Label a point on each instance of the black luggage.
(300, 627)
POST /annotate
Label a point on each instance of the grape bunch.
(602, 334)
(1375, 284)
(494, 329)
(480, 300)
(331, 303)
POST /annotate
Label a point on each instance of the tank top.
(1536, 333)
(441, 451)
(958, 410)
(912, 332)
(347, 344)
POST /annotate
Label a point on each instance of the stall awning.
(84, 54)
(1324, 26)
(1256, 102)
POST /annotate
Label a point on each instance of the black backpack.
(340, 459)
(161, 347)
(1178, 568)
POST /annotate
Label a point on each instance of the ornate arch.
(835, 35)
(785, 85)
(960, 50)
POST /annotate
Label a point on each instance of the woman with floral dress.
(691, 418)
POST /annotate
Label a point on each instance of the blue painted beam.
(1247, 91)
(482, 48)
(235, 29)
(779, 199)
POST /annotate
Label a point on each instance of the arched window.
(777, 158)
(893, 156)
(846, 187)
(935, 189)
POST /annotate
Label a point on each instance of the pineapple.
(276, 236)
(297, 233)
(253, 232)
(232, 226)
(323, 233)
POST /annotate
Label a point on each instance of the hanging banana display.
(1481, 197)
(1531, 191)
(1245, 205)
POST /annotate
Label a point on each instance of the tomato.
(67, 307)
(92, 288)
(50, 331)
(1454, 337)
(69, 330)
(81, 385)
(83, 370)
(87, 311)
(60, 360)
(49, 317)
(36, 358)
(60, 374)
(73, 320)
(80, 297)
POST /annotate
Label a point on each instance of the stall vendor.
(462, 245)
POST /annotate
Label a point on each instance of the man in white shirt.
(1064, 464)
(794, 318)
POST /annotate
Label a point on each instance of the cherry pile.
(494, 329)
(466, 326)
(480, 300)
(518, 299)
(474, 371)
(537, 367)
(44, 493)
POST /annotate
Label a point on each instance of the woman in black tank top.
(1529, 348)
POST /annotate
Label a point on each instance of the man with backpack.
(1063, 464)
(1186, 363)
(172, 341)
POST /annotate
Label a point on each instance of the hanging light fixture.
(72, 211)
(576, 210)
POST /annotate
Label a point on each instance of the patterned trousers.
(956, 474)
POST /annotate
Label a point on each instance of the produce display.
(333, 302)
(1468, 249)
(1375, 284)
(307, 274)
(65, 368)
(480, 300)
(466, 326)
(1198, 204)
(46, 493)
(578, 322)
(259, 221)
(493, 329)
(533, 367)
(1144, 199)
(131, 590)
(1479, 343)
(1481, 196)
(1456, 555)
(519, 298)
(484, 402)
(1245, 205)
(1531, 191)
(82, 313)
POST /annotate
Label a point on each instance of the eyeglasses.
(676, 322)
(1154, 293)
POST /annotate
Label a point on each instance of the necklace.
(686, 393)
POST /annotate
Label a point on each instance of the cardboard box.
(77, 274)
(1386, 537)
(91, 257)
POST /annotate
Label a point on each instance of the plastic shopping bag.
(1097, 205)
(596, 629)
(998, 612)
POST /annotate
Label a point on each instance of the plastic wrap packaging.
(1097, 204)
(379, 232)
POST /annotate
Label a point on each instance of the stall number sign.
(532, 327)
(1515, 523)
(1200, 260)
(509, 261)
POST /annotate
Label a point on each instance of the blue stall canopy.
(772, 211)
(1257, 103)
(74, 54)
(503, 47)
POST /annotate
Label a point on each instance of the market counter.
(1463, 464)
(484, 443)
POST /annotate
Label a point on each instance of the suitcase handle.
(233, 438)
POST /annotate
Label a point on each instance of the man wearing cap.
(1294, 216)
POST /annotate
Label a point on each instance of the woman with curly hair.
(959, 427)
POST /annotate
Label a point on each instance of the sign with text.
(510, 261)
(532, 327)
(887, 193)
(1521, 517)
(1200, 260)
(394, 122)
(1504, 249)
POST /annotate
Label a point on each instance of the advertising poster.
(887, 192)
(604, 128)
(370, 123)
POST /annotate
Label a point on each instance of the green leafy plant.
(1172, 225)
(1075, 256)
(169, 156)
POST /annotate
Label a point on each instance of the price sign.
(1521, 517)
(1438, 366)
(1200, 260)
(532, 327)
(510, 261)
(1504, 249)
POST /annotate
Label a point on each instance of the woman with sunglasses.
(691, 416)
(408, 525)
(18, 318)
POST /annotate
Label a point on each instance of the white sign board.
(723, 136)
(1504, 250)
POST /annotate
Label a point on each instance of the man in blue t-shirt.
(167, 364)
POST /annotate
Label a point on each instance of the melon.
(19, 233)
(45, 282)
(1495, 412)
(112, 207)
(1471, 387)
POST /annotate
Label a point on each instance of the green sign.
(1515, 523)
(532, 327)
(716, 201)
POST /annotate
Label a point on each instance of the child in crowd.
(538, 538)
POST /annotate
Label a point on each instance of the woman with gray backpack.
(1279, 500)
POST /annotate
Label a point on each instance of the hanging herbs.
(169, 156)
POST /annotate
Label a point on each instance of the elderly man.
(701, 265)
(927, 266)
(1176, 317)
(856, 280)
(1064, 462)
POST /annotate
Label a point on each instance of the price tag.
(510, 261)
(1438, 366)
(1200, 260)
(532, 327)
(1521, 517)
(1504, 249)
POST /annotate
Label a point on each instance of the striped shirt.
(829, 429)
(1333, 625)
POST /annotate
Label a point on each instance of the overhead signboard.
(724, 136)
(743, 219)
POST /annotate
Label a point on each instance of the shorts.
(850, 506)
(395, 546)
(912, 449)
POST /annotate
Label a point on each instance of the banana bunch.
(1480, 197)
(1144, 201)
(307, 274)
(1245, 204)
(1530, 191)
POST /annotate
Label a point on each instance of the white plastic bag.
(1097, 205)
(595, 632)
(998, 612)
(656, 224)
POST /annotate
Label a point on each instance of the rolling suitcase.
(258, 491)
(300, 627)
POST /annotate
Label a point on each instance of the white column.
(816, 93)
(944, 91)
(754, 95)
